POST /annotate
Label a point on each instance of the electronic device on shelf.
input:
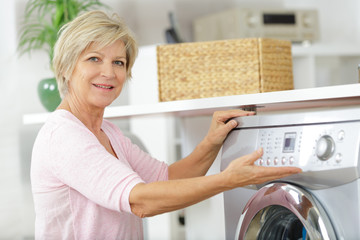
(296, 25)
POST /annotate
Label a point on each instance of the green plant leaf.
(43, 19)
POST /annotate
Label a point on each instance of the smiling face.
(98, 77)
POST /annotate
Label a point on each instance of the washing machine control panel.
(310, 147)
(324, 144)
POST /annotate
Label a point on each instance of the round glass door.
(276, 222)
(280, 211)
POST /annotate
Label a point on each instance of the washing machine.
(322, 202)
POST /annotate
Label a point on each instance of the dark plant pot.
(49, 94)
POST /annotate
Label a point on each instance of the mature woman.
(88, 180)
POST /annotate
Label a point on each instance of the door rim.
(301, 203)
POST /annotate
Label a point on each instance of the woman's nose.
(107, 70)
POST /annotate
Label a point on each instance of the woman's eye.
(94, 59)
(120, 63)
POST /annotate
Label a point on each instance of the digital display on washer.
(289, 142)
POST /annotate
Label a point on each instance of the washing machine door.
(283, 211)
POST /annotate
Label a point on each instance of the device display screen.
(279, 18)
(289, 142)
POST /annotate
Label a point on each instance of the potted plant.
(43, 19)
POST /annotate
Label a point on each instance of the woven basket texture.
(223, 68)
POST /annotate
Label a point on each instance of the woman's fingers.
(230, 125)
(278, 171)
(245, 172)
(273, 173)
(223, 116)
(251, 158)
(220, 125)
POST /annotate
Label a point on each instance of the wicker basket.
(222, 68)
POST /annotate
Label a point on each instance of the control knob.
(325, 147)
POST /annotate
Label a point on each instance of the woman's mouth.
(103, 86)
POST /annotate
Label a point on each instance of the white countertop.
(271, 101)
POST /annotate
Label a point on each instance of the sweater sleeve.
(81, 162)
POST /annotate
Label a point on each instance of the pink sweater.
(80, 190)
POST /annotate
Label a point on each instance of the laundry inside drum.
(276, 223)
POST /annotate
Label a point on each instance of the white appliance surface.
(323, 142)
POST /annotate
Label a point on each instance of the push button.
(291, 160)
(341, 135)
(261, 162)
(338, 157)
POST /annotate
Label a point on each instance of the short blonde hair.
(77, 35)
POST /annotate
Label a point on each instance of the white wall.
(11, 191)
(339, 23)
(339, 20)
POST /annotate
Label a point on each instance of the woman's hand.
(242, 171)
(200, 160)
(220, 126)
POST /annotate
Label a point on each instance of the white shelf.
(322, 50)
(271, 101)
